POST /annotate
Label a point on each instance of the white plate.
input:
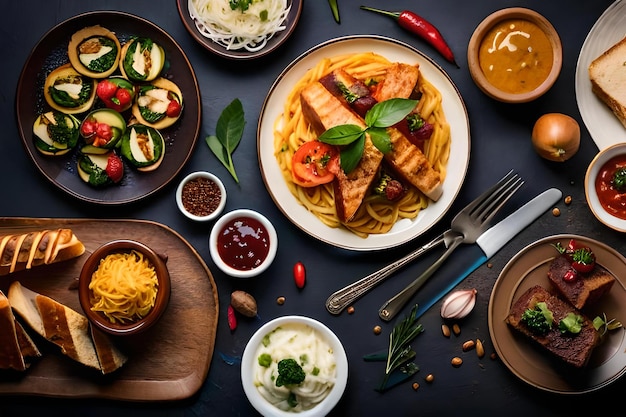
(604, 128)
(456, 115)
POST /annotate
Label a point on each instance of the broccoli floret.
(538, 319)
(619, 179)
(289, 373)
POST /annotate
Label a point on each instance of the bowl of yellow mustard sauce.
(515, 55)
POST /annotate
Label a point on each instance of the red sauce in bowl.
(243, 243)
(611, 199)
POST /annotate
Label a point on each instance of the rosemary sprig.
(400, 351)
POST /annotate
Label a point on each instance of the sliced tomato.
(314, 163)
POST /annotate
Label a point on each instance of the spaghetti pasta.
(376, 215)
(124, 287)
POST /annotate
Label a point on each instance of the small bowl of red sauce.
(201, 196)
(605, 186)
(243, 243)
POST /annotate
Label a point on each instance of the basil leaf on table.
(228, 134)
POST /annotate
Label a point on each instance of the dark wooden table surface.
(500, 140)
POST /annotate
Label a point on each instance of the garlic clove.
(458, 304)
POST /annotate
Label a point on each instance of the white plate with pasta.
(452, 161)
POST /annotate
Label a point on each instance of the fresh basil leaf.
(380, 139)
(228, 134)
(341, 135)
(230, 125)
(350, 155)
(389, 112)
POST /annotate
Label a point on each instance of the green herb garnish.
(289, 373)
(228, 133)
(265, 360)
(351, 138)
(242, 5)
(572, 323)
(602, 325)
(619, 179)
(538, 319)
(400, 351)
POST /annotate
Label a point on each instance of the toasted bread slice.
(27, 344)
(109, 356)
(59, 324)
(608, 79)
(11, 356)
(571, 349)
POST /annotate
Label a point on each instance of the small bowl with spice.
(515, 55)
(605, 186)
(124, 287)
(201, 196)
(243, 243)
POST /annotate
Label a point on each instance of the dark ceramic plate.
(278, 39)
(51, 51)
(534, 365)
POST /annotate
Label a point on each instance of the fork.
(466, 227)
(342, 298)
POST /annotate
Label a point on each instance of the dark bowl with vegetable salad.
(51, 52)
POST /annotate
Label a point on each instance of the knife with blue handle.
(491, 241)
(469, 257)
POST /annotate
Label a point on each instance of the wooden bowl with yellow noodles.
(124, 287)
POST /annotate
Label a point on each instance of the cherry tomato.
(299, 274)
(106, 90)
(104, 131)
(314, 163)
(88, 128)
(173, 109)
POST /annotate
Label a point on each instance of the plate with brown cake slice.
(531, 362)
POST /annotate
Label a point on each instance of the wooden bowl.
(525, 78)
(98, 319)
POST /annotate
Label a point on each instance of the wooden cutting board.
(169, 361)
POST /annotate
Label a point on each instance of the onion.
(556, 137)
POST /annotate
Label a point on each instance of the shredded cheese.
(235, 29)
(124, 287)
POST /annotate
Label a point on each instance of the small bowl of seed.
(201, 196)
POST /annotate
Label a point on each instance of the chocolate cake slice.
(586, 289)
(574, 349)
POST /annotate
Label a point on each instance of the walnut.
(243, 303)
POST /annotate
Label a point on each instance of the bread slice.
(584, 291)
(11, 356)
(109, 356)
(25, 250)
(574, 350)
(608, 79)
(27, 344)
(66, 328)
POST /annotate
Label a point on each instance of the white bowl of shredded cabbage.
(294, 365)
(240, 30)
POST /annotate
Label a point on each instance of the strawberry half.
(115, 168)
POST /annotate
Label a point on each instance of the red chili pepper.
(232, 318)
(421, 27)
(299, 274)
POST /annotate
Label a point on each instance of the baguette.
(26, 250)
(64, 327)
(608, 79)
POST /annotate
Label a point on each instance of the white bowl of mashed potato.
(294, 365)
